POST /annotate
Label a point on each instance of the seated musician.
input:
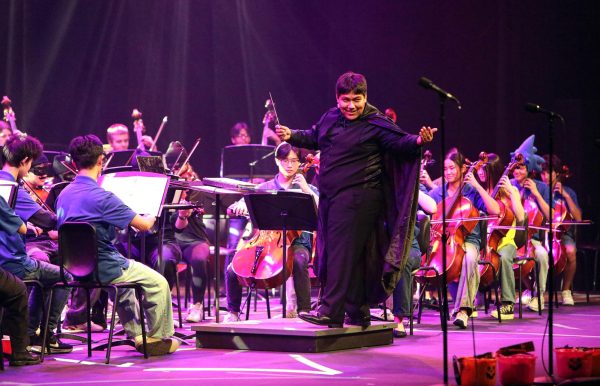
(286, 158)
(19, 151)
(537, 193)
(41, 235)
(567, 195)
(468, 284)
(402, 295)
(117, 136)
(490, 175)
(13, 297)
(85, 200)
(190, 232)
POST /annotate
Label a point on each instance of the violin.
(505, 219)
(458, 210)
(38, 194)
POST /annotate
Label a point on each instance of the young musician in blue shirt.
(84, 200)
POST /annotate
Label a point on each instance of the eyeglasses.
(291, 161)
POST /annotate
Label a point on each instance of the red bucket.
(595, 362)
(517, 369)
(573, 362)
(477, 371)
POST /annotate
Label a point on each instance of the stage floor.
(414, 360)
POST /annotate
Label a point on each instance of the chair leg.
(140, 297)
(46, 312)
(112, 325)
(188, 278)
(180, 319)
(248, 300)
(411, 308)
(88, 309)
(520, 293)
(268, 305)
(539, 291)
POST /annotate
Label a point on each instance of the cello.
(561, 216)
(259, 262)
(500, 227)
(459, 210)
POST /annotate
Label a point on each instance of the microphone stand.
(550, 243)
(253, 163)
(444, 299)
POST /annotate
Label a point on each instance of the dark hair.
(21, 146)
(557, 165)
(456, 156)
(493, 171)
(284, 149)
(351, 82)
(237, 129)
(85, 150)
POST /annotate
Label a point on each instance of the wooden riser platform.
(290, 335)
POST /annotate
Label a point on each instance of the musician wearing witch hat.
(535, 196)
(288, 163)
(568, 198)
(359, 195)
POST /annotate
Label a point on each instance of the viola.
(259, 262)
(458, 211)
(505, 219)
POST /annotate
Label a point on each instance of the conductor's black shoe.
(321, 320)
(23, 358)
(363, 321)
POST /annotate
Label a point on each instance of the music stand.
(8, 190)
(282, 210)
(248, 161)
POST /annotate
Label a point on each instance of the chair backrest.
(78, 250)
(424, 232)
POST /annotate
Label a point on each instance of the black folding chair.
(78, 254)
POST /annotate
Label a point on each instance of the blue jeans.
(48, 274)
(402, 293)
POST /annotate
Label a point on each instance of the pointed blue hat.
(528, 151)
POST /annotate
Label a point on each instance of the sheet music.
(142, 192)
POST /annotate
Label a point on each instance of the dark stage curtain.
(74, 67)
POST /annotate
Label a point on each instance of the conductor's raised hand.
(283, 132)
(426, 135)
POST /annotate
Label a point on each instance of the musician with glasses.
(288, 163)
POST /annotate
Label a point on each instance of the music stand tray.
(282, 210)
(248, 161)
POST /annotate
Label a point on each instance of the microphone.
(428, 84)
(534, 108)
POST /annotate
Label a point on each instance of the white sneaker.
(231, 317)
(195, 313)
(526, 297)
(567, 298)
(533, 304)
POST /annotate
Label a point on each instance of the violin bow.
(189, 155)
(160, 129)
(274, 108)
